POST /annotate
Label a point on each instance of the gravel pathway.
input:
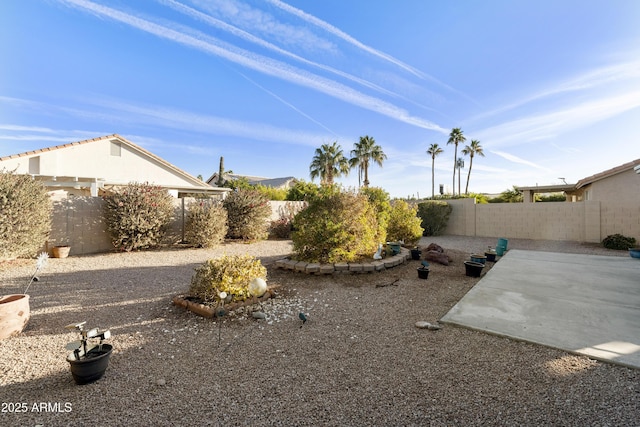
(358, 360)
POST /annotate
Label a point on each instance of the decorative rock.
(258, 315)
(312, 268)
(421, 324)
(355, 267)
(327, 269)
(438, 257)
(378, 265)
(282, 263)
(435, 247)
(341, 266)
(257, 287)
(289, 264)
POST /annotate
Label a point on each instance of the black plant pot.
(491, 256)
(91, 367)
(473, 269)
(423, 273)
(415, 254)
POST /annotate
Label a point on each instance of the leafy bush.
(619, 242)
(302, 190)
(379, 200)
(25, 215)
(206, 223)
(404, 223)
(272, 193)
(247, 212)
(336, 227)
(137, 215)
(230, 273)
(434, 216)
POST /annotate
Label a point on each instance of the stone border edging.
(343, 267)
(209, 312)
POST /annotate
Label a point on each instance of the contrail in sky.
(262, 64)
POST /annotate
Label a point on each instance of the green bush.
(206, 223)
(248, 212)
(336, 227)
(404, 223)
(302, 190)
(272, 193)
(434, 216)
(137, 215)
(379, 200)
(619, 242)
(25, 215)
(230, 273)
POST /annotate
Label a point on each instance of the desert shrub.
(230, 273)
(619, 242)
(434, 216)
(404, 223)
(336, 226)
(248, 212)
(206, 223)
(302, 190)
(25, 215)
(137, 215)
(281, 228)
(272, 193)
(379, 200)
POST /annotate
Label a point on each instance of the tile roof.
(175, 169)
(605, 174)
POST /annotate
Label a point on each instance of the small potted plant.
(14, 309)
(88, 364)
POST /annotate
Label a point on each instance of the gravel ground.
(358, 360)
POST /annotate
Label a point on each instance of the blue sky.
(551, 89)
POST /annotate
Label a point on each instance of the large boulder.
(435, 253)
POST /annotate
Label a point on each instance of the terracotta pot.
(14, 314)
(60, 251)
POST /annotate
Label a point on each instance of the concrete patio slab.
(584, 304)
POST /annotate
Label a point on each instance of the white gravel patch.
(358, 360)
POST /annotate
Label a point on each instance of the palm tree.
(459, 165)
(366, 150)
(455, 137)
(433, 150)
(471, 150)
(328, 163)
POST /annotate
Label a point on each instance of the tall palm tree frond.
(455, 137)
(328, 163)
(434, 150)
(365, 151)
(471, 150)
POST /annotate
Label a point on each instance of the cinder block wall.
(79, 222)
(589, 221)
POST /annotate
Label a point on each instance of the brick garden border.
(343, 267)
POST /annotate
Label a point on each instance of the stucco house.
(87, 168)
(620, 184)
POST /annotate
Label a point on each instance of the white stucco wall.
(94, 160)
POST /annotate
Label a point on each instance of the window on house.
(34, 165)
(116, 148)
